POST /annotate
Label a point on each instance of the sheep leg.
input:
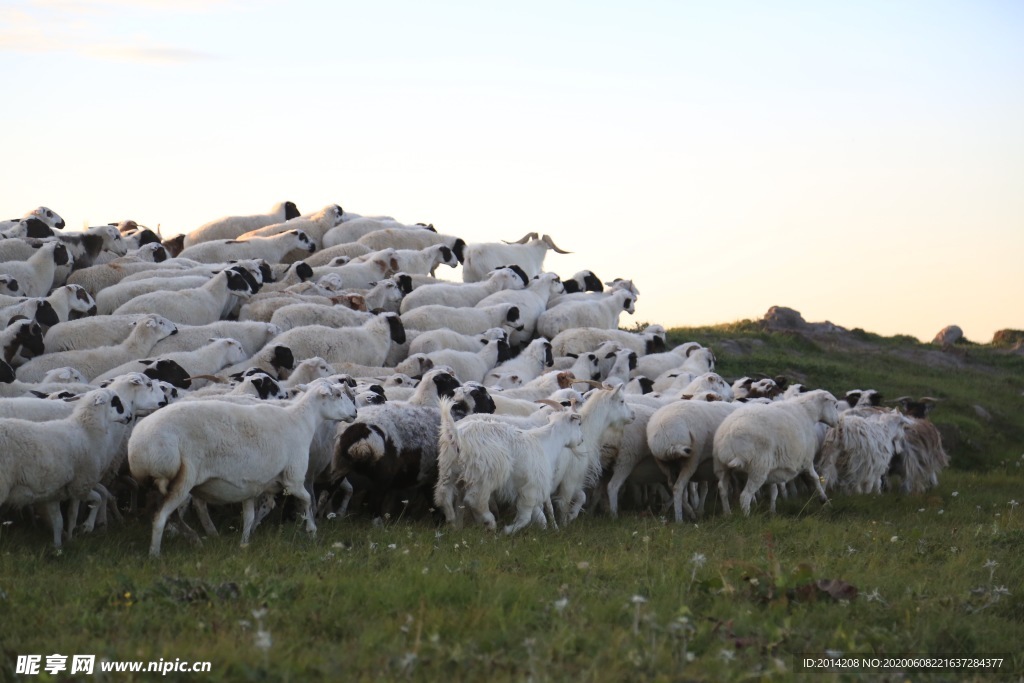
(248, 519)
(578, 500)
(549, 510)
(620, 473)
(817, 483)
(724, 492)
(305, 505)
(755, 480)
(346, 498)
(679, 489)
(479, 503)
(525, 507)
(96, 503)
(177, 494)
(203, 513)
(56, 521)
(774, 493)
(72, 518)
(189, 532)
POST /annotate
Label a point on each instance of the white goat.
(528, 253)
(487, 458)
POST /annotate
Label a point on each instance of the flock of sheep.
(317, 356)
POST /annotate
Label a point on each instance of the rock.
(1012, 339)
(782, 318)
(951, 334)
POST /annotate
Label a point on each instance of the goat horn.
(548, 402)
(598, 385)
(212, 378)
(554, 247)
(524, 239)
(925, 399)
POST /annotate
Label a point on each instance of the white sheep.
(204, 360)
(230, 227)
(47, 216)
(654, 364)
(48, 462)
(351, 230)
(680, 436)
(9, 286)
(252, 450)
(463, 320)
(367, 344)
(485, 459)
(401, 238)
(602, 314)
(531, 362)
(457, 295)
(297, 315)
(528, 253)
(37, 275)
(315, 225)
(471, 366)
(862, 450)
(419, 261)
(253, 336)
(772, 444)
(93, 362)
(360, 275)
(272, 248)
(91, 332)
(195, 306)
(329, 255)
(532, 301)
(435, 340)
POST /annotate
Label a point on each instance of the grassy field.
(638, 598)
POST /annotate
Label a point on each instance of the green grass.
(412, 601)
(633, 599)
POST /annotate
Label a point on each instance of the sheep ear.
(147, 361)
(327, 389)
(137, 381)
(99, 400)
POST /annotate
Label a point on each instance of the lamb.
(602, 314)
(367, 344)
(532, 301)
(230, 227)
(529, 364)
(47, 462)
(707, 382)
(463, 320)
(196, 306)
(624, 363)
(272, 248)
(457, 295)
(37, 275)
(254, 449)
(771, 444)
(527, 253)
(922, 457)
(680, 436)
(699, 361)
(93, 362)
(435, 340)
(625, 451)
(488, 458)
(205, 360)
(471, 366)
(401, 238)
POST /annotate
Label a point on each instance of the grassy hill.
(637, 598)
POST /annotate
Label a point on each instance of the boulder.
(951, 334)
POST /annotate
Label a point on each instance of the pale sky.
(859, 162)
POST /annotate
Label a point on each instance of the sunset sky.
(859, 162)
